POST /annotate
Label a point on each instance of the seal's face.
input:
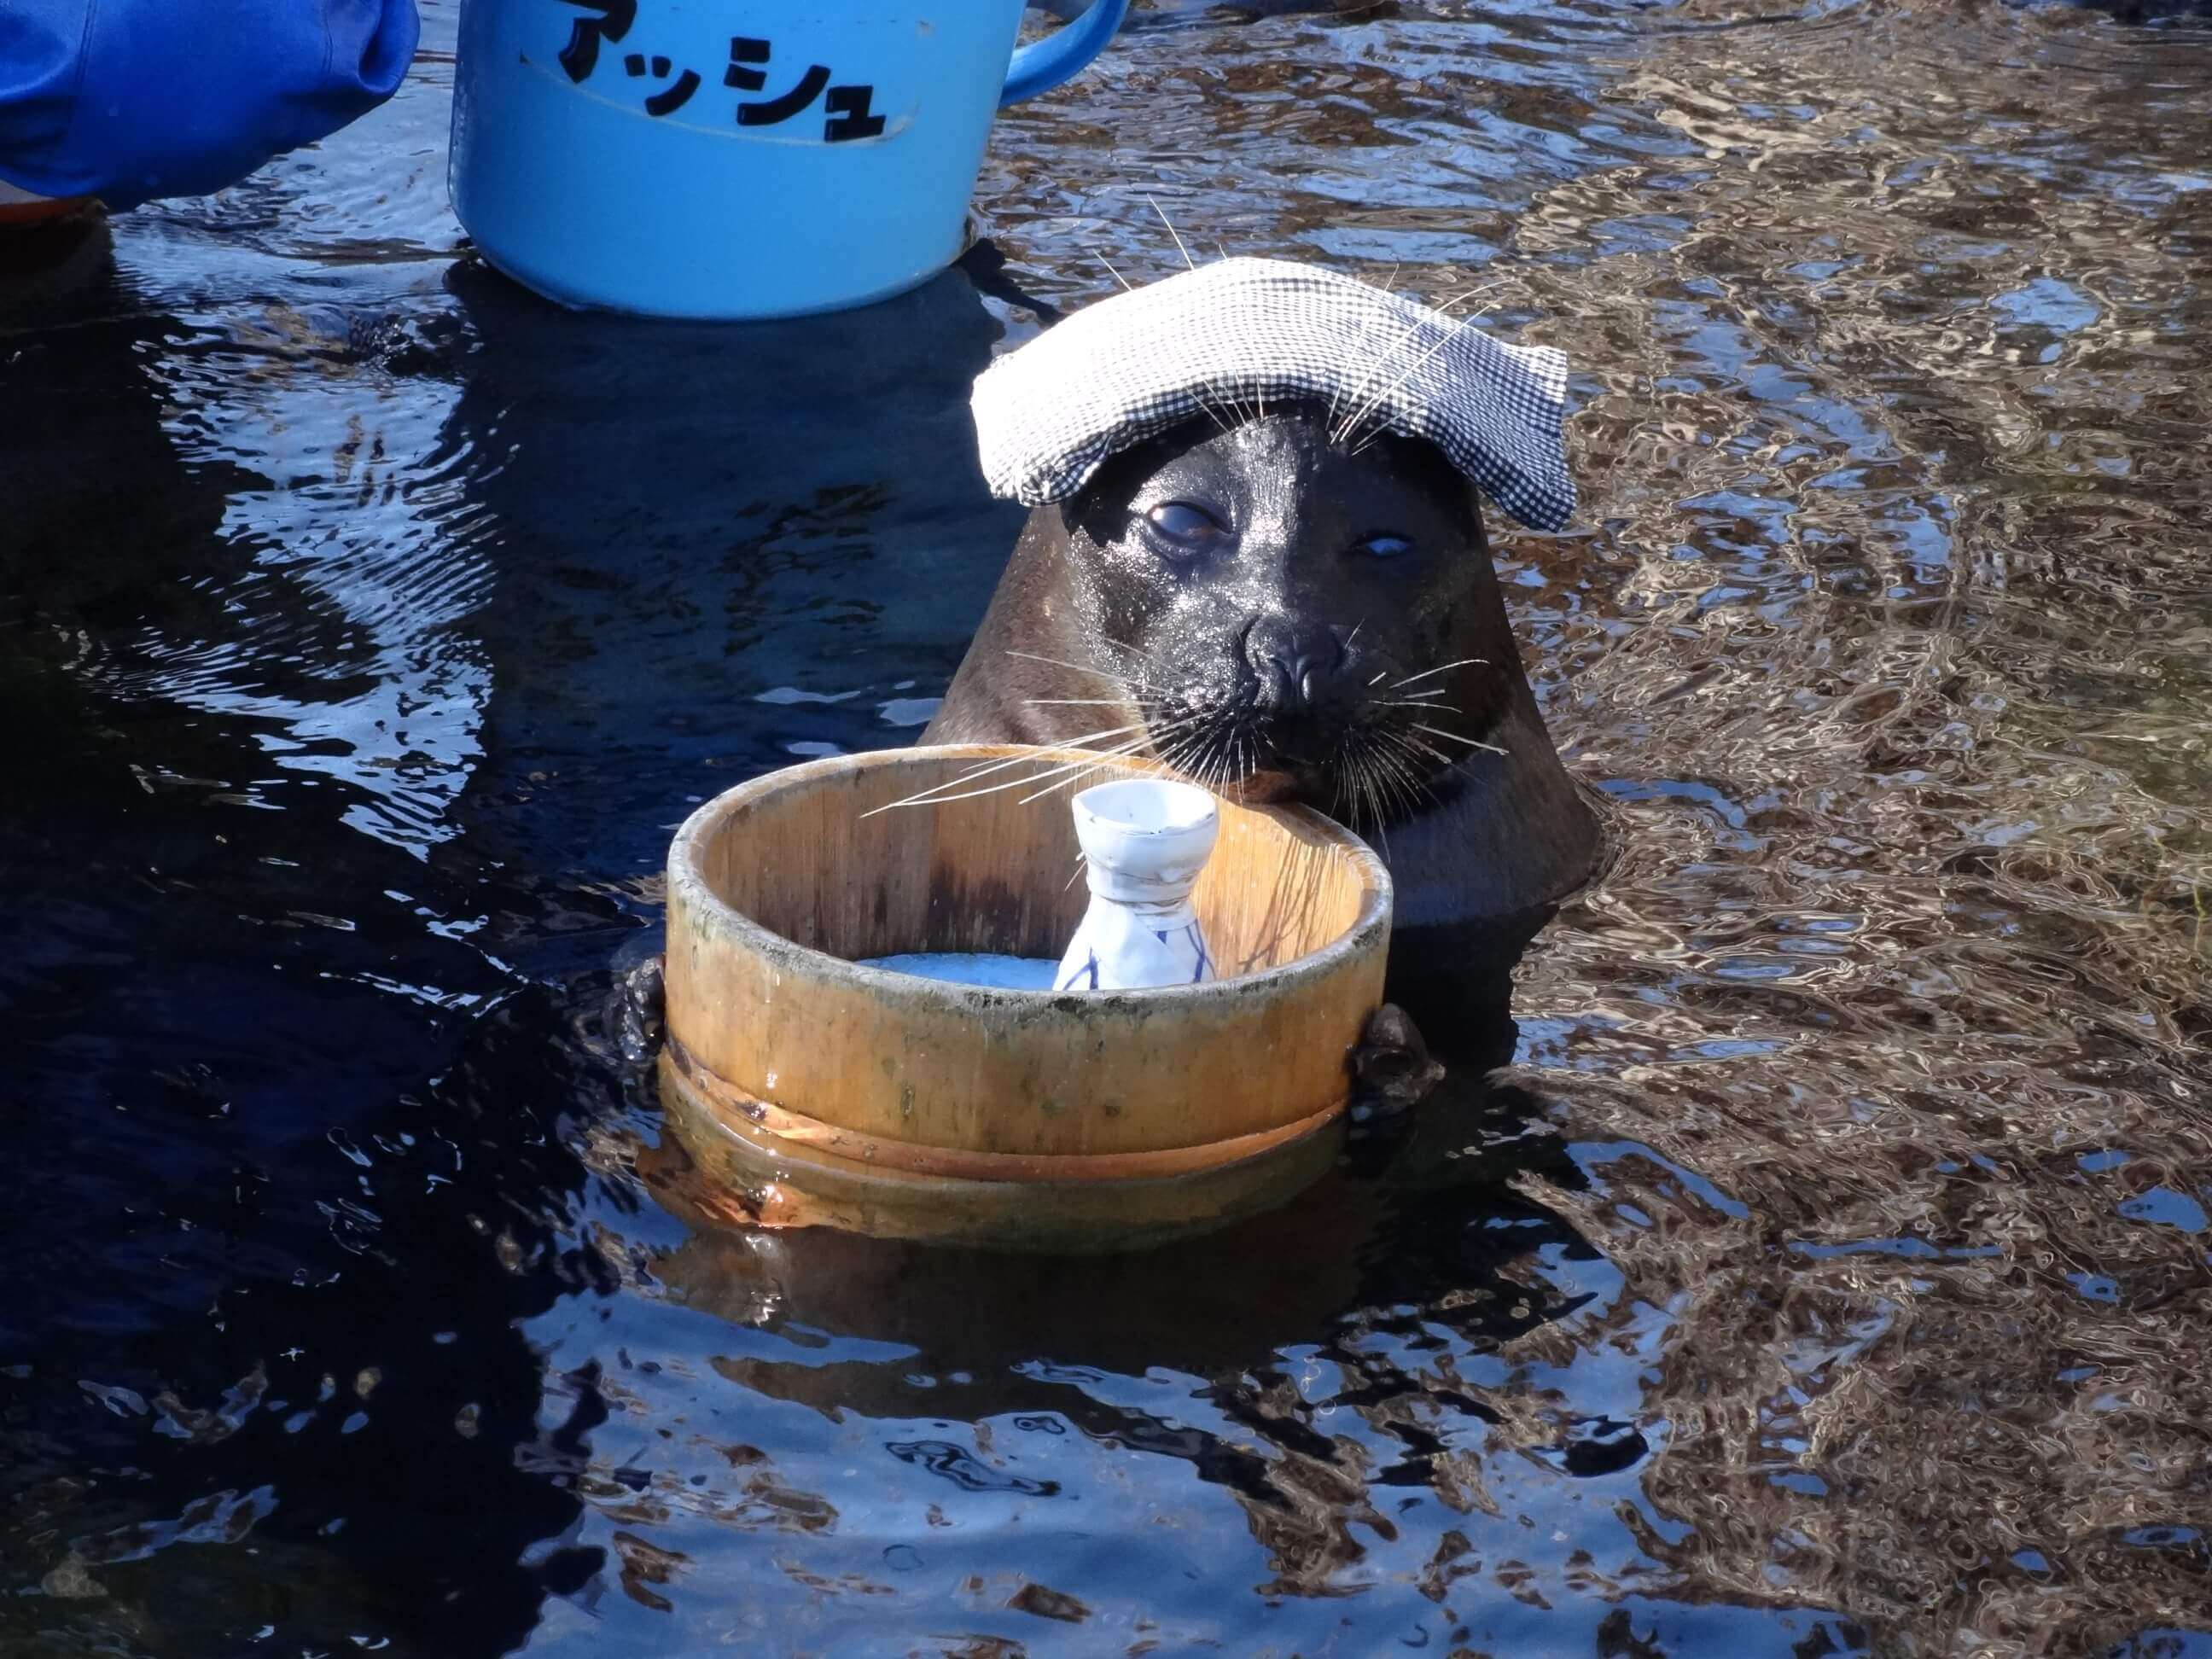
(1295, 618)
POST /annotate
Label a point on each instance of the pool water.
(1822, 1267)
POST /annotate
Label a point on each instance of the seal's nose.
(1294, 663)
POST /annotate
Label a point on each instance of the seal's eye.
(1386, 547)
(1184, 531)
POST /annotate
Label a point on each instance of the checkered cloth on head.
(1241, 331)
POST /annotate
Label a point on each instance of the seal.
(1284, 616)
(1282, 613)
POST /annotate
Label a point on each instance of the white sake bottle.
(1144, 840)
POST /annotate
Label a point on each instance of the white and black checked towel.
(1114, 373)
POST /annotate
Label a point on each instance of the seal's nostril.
(1315, 664)
(1294, 665)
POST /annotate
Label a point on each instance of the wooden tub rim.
(687, 878)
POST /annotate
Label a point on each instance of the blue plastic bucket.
(730, 159)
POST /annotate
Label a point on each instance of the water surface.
(1826, 1271)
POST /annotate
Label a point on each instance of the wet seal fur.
(1284, 611)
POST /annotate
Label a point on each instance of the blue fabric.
(129, 100)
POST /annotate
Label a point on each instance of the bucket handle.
(1043, 64)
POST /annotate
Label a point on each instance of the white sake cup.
(1145, 841)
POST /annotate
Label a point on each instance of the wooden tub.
(821, 1091)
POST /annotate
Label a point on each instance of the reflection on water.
(1824, 1272)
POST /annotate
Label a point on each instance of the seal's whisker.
(1120, 645)
(1402, 340)
(1228, 765)
(1385, 805)
(1187, 752)
(1413, 702)
(1016, 760)
(1126, 286)
(1189, 756)
(1389, 771)
(931, 795)
(1440, 669)
(1032, 656)
(1400, 752)
(1083, 769)
(1382, 791)
(1357, 797)
(1350, 796)
(1419, 786)
(1439, 730)
(1375, 402)
(1078, 775)
(1361, 781)
(1351, 426)
(1164, 219)
(938, 800)
(1443, 308)
(1213, 398)
(1407, 745)
(1350, 429)
(1206, 751)
(1226, 391)
(1382, 784)
(1356, 778)
(1338, 433)
(1070, 775)
(1406, 787)
(1236, 394)
(1197, 755)
(1335, 399)
(1075, 771)
(1351, 787)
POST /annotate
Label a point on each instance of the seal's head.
(1297, 609)
(1257, 491)
(1257, 553)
